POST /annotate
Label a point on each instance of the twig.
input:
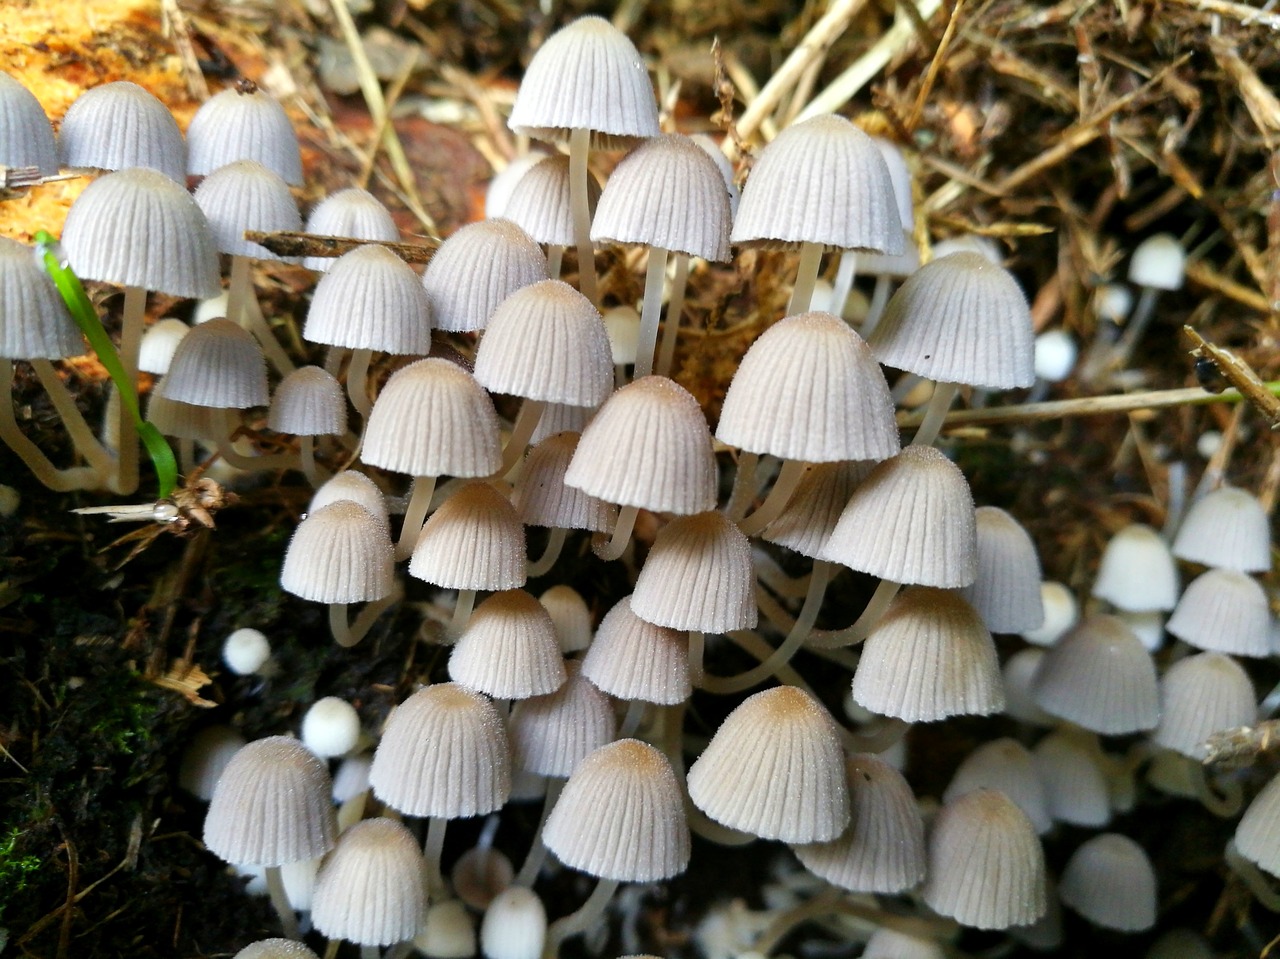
(1236, 11)
(935, 66)
(1241, 746)
(181, 33)
(1240, 375)
(292, 243)
(1201, 274)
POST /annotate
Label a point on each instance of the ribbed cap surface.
(1006, 592)
(1110, 881)
(474, 540)
(308, 402)
(166, 247)
(217, 364)
(497, 195)
(246, 196)
(34, 322)
(1019, 704)
(232, 126)
(370, 889)
(186, 420)
(910, 521)
(882, 850)
(886, 943)
(959, 319)
(353, 213)
(648, 446)
(1202, 695)
(509, 649)
(810, 516)
(1100, 677)
(1227, 529)
(928, 658)
(666, 193)
(587, 76)
(26, 138)
(551, 734)
(1258, 835)
(570, 615)
(1225, 612)
(477, 268)
(370, 299)
(271, 806)
(354, 486)
(341, 553)
(698, 576)
(633, 659)
(986, 866)
(542, 498)
(1007, 766)
(444, 753)
(820, 181)
(547, 342)
(809, 389)
(775, 769)
(621, 816)
(433, 419)
(540, 203)
(1069, 765)
(275, 949)
(559, 418)
(120, 125)
(1137, 572)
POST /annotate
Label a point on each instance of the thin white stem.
(617, 543)
(358, 382)
(415, 514)
(256, 323)
(845, 274)
(875, 309)
(579, 147)
(783, 487)
(697, 650)
(528, 874)
(555, 543)
(350, 633)
(1260, 884)
(806, 277)
(582, 920)
(651, 310)
(280, 902)
(864, 624)
(462, 608)
(1135, 328)
(675, 306)
(770, 574)
(1225, 804)
(307, 453)
(939, 404)
(636, 710)
(555, 259)
(526, 422)
(744, 486)
(431, 850)
(82, 438)
(270, 461)
(58, 480)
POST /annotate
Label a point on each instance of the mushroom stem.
(1225, 804)
(651, 310)
(631, 722)
(358, 382)
(579, 145)
(783, 621)
(788, 479)
(744, 486)
(806, 277)
(864, 624)
(1134, 329)
(528, 874)
(526, 422)
(135, 312)
(939, 403)
(580, 921)
(415, 514)
(697, 649)
(307, 453)
(58, 480)
(462, 608)
(431, 849)
(369, 952)
(1258, 882)
(875, 309)
(670, 735)
(280, 902)
(621, 534)
(82, 437)
(243, 308)
(845, 274)
(770, 574)
(555, 258)
(675, 306)
(348, 635)
(270, 461)
(555, 543)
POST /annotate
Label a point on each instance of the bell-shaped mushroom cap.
(1006, 765)
(340, 553)
(34, 322)
(886, 943)
(666, 193)
(509, 649)
(186, 420)
(353, 213)
(634, 659)
(1061, 612)
(167, 245)
(820, 181)
(1137, 572)
(882, 850)
(1019, 703)
(570, 616)
(910, 521)
(120, 125)
(542, 498)
(551, 734)
(205, 757)
(308, 402)
(809, 389)
(959, 319)
(245, 195)
(811, 515)
(1099, 676)
(444, 753)
(1258, 835)
(540, 201)
(1075, 785)
(1158, 262)
(370, 889)
(217, 364)
(1202, 695)
(497, 196)
(514, 926)
(1226, 529)
(1224, 611)
(473, 541)
(1110, 881)
(477, 268)
(587, 76)
(271, 806)
(559, 418)
(26, 138)
(243, 125)
(775, 769)
(479, 875)
(986, 866)
(352, 776)
(1006, 592)
(727, 171)
(159, 343)
(354, 486)
(275, 949)
(433, 419)
(546, 342)
(621, 816)
(698, 576)
(648, 446)
(928, 658)
(370, 299)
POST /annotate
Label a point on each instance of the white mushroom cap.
(1114, 302)
(120, 125)
(1226, 529)
(1005, 765)
(1158, 262)
(1225, 612)
(353, 213)
(449, 932)
(26, 138)
(1137, 571)
(477, 268)
(245, 195)
(1055, 355)
(1019, 703)
(480, 874)
(159, 343)
(1006, 591)
(540, 203)
(217, 364)
(514, 925)
(275, 949)
(1202, 695)
(1110, 881)
(811, 515)
(354, 486)
(509, 649)
(330, 727)
(308, 402)
(245, 651)
(551, 734)
(34, 322)
(370, 299)
(1070, 766)
(341, 553)
(1061, 612)
(541, 497)
(1258, 835)
(240, 125)
(474, 540)
(570, 615)
(371, 889)
(497, 198)
(634, 659)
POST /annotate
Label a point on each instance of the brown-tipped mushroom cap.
(814, 509)
(1006, 765)
(509, 649)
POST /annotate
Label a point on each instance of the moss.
(16, 867)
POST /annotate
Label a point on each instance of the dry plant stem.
(617, 543)
(528, 874)
(1224, 804)
(1260, 884)
(526, 422)
(783, 487)
(939, 404)
(58, 480)
(675, 306)
(1243, 12)
(865, 623)
(875, 309)
(744, 486)
(280, 902)
(579, 146)
(415, 514)
(555, 260)
(806, 277)
(358, 382)
(651, 310)
(82, 438)
(555, 543)
(846, 272)
(795, 639)
(582, 920)
(431, 848)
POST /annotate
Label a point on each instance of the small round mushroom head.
(26, 138)
(1159, 262)
(120, 125)
(243, 123)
